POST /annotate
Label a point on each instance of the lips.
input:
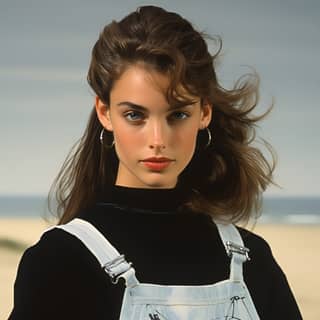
(157, 163)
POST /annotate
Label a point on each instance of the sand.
(25, 231)
(296, 249)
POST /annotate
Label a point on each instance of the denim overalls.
(224, 300)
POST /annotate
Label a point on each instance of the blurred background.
(45, 102)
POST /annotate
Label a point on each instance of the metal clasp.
(109, 266)
(233, 247)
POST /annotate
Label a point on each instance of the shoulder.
(57, 252)
(54, 242)
(59, 265)
(262, 260)
(252, 238)
(58, 260)
(260, 250)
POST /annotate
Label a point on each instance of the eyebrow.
(143, 108)
(132, 105)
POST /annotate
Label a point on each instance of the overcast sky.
(45, 100)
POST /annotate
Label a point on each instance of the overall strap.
(109, 258)
(235, 248)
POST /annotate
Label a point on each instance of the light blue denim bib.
(224, 300)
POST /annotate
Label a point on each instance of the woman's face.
(153, 140)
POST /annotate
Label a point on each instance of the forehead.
(146, 86)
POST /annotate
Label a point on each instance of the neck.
(153, 199)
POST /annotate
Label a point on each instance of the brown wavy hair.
(229, 176)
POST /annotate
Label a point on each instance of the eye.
(179, 115)
(134, 116)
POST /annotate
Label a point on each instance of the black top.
(58, 278)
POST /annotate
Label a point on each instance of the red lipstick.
(157, 163)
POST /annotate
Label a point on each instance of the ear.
(103, 114)
(206, 114)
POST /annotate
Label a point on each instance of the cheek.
(125, 141)
(187, 140)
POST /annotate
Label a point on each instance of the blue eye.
(133, 116)
(179, 115)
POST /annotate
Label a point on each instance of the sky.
(45, 100)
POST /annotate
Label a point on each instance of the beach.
(295, 247)
(15, 235)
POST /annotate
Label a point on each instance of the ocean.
(286, 210)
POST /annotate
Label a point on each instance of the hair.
(229, 176)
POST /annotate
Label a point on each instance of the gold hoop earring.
(102, 142)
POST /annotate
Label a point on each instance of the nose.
(157, 136)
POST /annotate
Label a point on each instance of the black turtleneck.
(58, 278)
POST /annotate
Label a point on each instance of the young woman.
(166, 150)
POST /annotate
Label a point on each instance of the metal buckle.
(233, 247)
(114, 263)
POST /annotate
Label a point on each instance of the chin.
(159, 183)
(158, 186)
